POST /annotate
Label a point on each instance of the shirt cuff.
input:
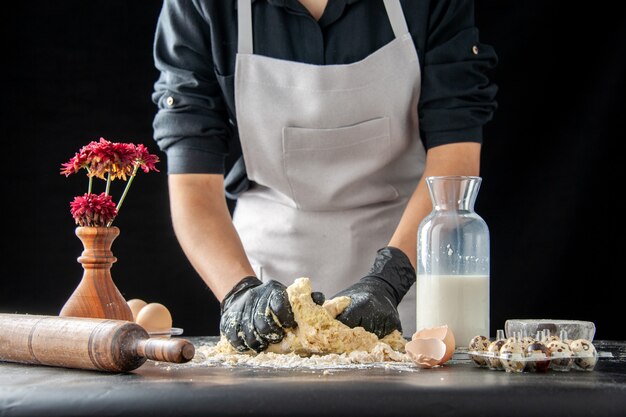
(470, 134)
(184, 160)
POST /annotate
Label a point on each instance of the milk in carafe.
(453, 261)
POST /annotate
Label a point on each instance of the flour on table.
(319, 339)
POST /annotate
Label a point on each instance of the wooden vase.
(96, 295)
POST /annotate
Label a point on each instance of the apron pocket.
(341, 168)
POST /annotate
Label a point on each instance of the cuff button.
(475, 49)
(169, 101)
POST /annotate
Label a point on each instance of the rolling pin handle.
(166, 350)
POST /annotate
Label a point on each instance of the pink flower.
(93, 210)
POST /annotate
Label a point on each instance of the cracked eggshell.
(426, 353)
(443, 333)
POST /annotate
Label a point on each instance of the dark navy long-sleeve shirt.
(196, 45)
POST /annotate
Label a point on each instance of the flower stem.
(106, 191)
(130, 181)
(90, 181)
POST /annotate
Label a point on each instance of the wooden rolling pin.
(85, 343)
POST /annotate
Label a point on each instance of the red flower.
(75, 164)
(108, 161)
(93, 210)
(145, 159)
(101, 158)
(106, 157)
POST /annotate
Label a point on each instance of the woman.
(332, 111)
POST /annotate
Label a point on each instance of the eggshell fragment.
(443, 333)
(136, 305)
(426, 353)
(155, 318)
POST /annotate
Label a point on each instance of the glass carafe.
(453, 260)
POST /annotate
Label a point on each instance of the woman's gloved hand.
(255, 314)
(375, 297)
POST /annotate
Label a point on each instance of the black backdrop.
(77, 70)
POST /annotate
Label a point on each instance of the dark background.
(74, 71)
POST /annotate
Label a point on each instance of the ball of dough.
(135, 306)
(155, 318)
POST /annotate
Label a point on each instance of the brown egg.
(135, 305)
(155, 318)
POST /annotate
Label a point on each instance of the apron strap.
(244, 27)
(244, 23)
(396, 17)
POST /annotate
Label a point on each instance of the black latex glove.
(375, 297)
(250, 312)
(247, 320)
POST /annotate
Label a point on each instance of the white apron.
(332, 153)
